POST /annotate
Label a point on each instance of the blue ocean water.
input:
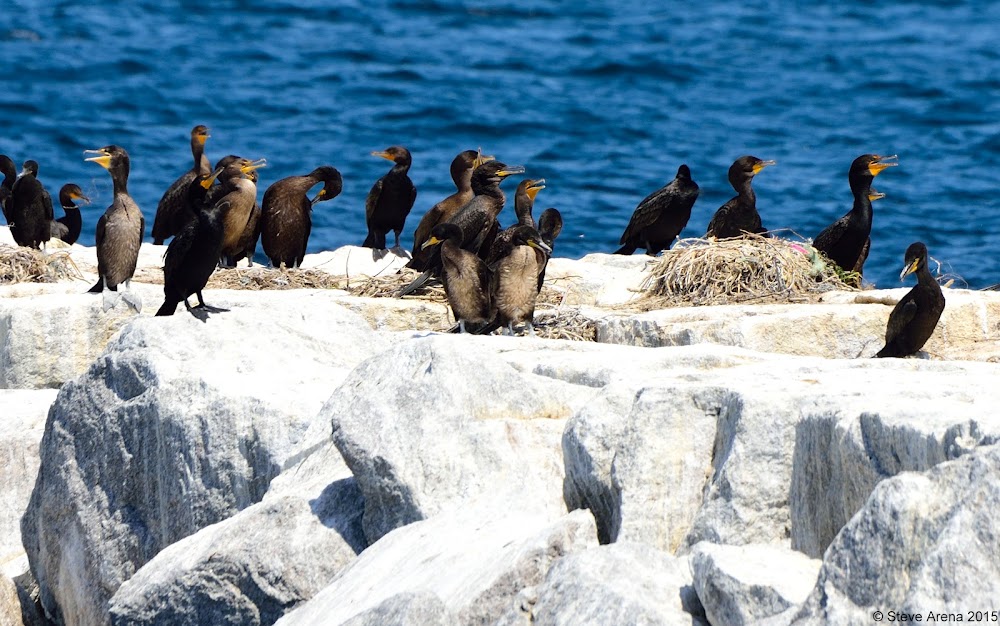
(604, 99)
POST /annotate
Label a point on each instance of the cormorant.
(661, 216)
(461, 173)
(9, 172)
(119, 231)
(847, 240)
(67, 228)
(194, 252)
(550, 224)
(390, 199)
(246, 246)
(517, 274)
(173, 211)
(29, 208)
(913, 319)
(524, 202)
(467, 280)
(240, 193)
(286, 220)
(739, 214)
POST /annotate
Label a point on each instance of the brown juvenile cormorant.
(739, 215)
(913, 319)
(550, 224)
(467, 280)
(194, 252)
(517, 277)
(524, 202)
(67, 228)
(247, 244)
(29, 208)
(847, 240)
(390, 199)
(119, 231)
(240, 194)
(286, 221)
(173, 211)
(9, 172)
(461, 173)
(661, 216)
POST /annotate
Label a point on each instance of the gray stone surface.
(435, 423)
(178, 425)
(923, 542)
(22, 421)
(623, 583)
(418, 608)
(475, 564)
(741, 585)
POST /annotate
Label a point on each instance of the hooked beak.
(909, 269)
(540, 245)
(431, 241)
(510, 171)
(104, 160)
(253, 165)
(759, 166)
(384, 155)
(535, 187)
(879, 164)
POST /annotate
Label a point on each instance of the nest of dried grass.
(28, 265)
(389, 285)
(564, 323)
(260, 278)
(750, 269)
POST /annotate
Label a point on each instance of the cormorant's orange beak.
(759, 166)
(482, 158)
(511, 170)
(431, 241)
(534, 187)
(208, 182)
(875, 195)
(250, 166)
(909, 269)
(880, 164)
(540, 245)
(384, 155)
(79, 196)
(104, 160)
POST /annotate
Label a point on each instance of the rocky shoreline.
(308, 457)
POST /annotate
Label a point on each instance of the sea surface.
(603, 99)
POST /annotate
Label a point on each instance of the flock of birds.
(491, 275)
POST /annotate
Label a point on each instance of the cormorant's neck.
(862, 206)
(522, 208)
(924, 276)
(120, 179)
(746, 193)
(400, 169)
(463, 180)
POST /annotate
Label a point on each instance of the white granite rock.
(180, 424)
(417, 608)
(598, 279)
(741, 585)
(923, 543)
(21, 425)
(435, 423)
(10, 605)
(475, 563)
(357, 261)
(622, 583)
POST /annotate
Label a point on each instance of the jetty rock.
(309, 456)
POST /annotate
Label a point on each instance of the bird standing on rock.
(390, 199)
(846, 242)
(467, 280)
(119, 232)
(286, 218)
(739, 215)
(9, 172)
(174, 211)
(915, 316)
(67, 228)
(661, 216)
(29, 208)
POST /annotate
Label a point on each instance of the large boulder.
(178, 425)
(434, 423)
(924, 543)
(768, 450)
(741, 585)
(21, 427)
(474, 562)
(622, 583)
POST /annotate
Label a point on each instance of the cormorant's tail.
(168, 308)
(626, 249)
(417, 283)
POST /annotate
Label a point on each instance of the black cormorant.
(67, 228)
(29, 209)
(739, 215)
(119, 231)
(846, 241)
(914, 318)
(661, 216)
(390, 199)
(286, 220)
(9, 172)
(173, 211)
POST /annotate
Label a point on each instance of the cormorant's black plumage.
(286, 218)
(467, 280)
(661, 216)
(29, 208)
(914, 318)
(739, 215)
(67, 228)
(174, 210)
(390, 199)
